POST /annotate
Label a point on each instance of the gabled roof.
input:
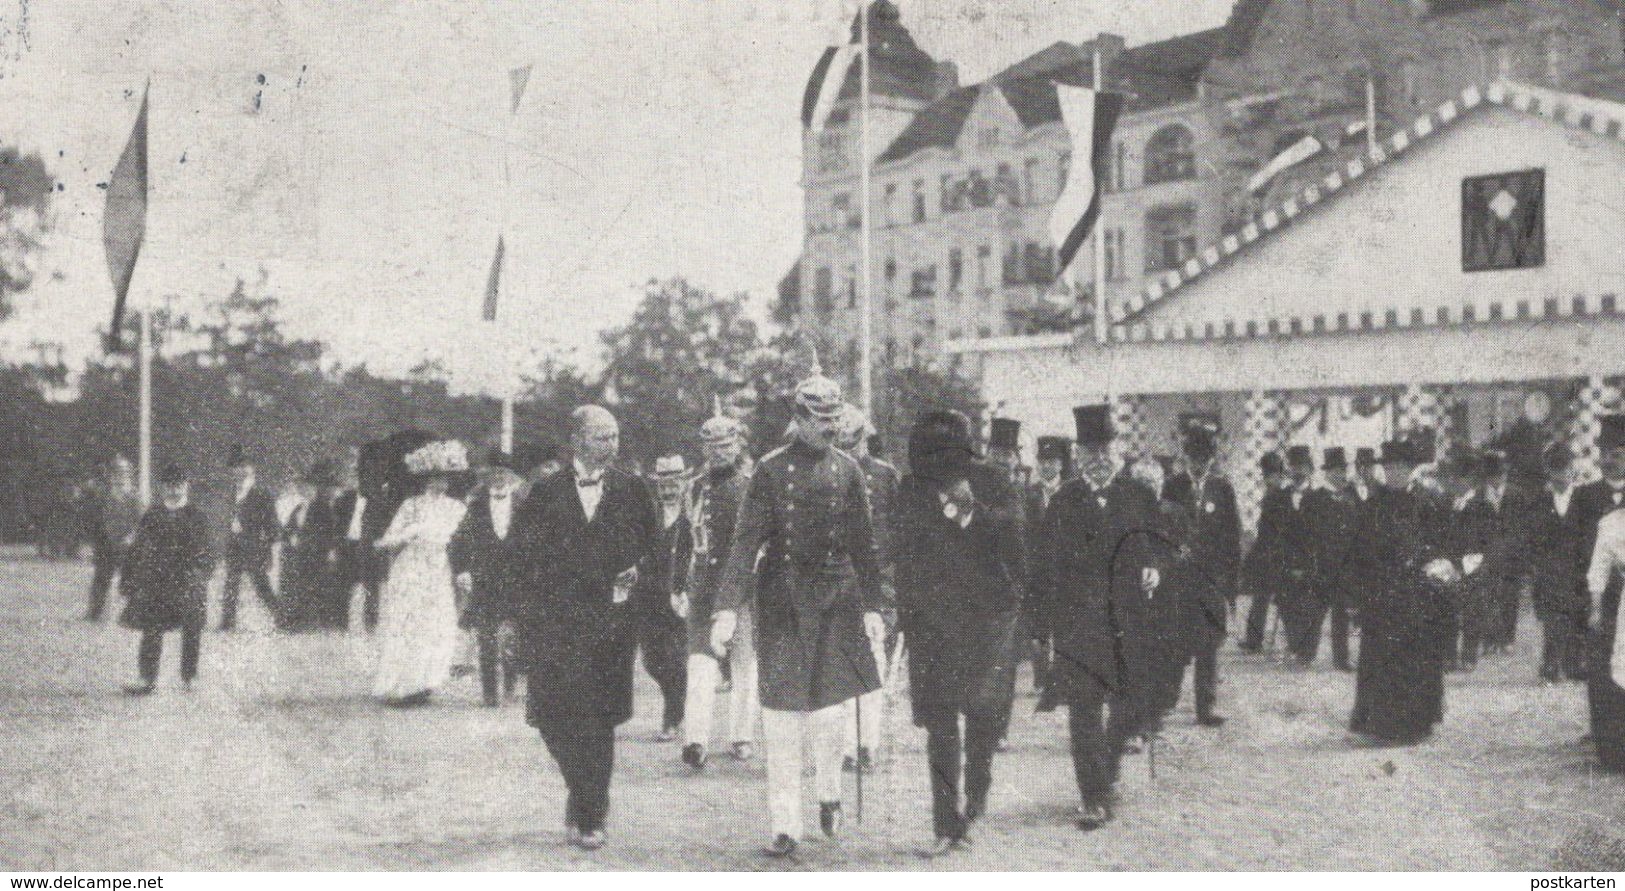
(1245, 17)
(1567, 108)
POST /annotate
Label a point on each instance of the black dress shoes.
(782, 846)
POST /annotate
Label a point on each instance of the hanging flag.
(1296, 153)
(124, 222)
(518, 78)
(830, 72)
(493, 284)
(1503, 221)
(1091, 117)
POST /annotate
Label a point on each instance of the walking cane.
(858, 762)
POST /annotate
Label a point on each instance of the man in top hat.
(1404, 637)
(581, 535)
(1556, 568)
(817, 591)
(1262, 564)
(1214, 539)
(254, 532)
(1340, 510)
(880, 479)
(1299, 548)
(1054, 469)
(661, 633)
(1004, 446)
(484, 563)
(712, 509)
(1506, 509)
(1091, 581)
(1605, 548)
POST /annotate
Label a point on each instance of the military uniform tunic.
(804, 552)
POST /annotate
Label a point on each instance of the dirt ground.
(279, 761)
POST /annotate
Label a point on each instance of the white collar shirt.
(589, 488)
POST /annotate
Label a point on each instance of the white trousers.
(873, 706)
(744, 701)
(785, 735)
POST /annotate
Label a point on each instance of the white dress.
(417, 608)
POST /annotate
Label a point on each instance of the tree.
(26, 187)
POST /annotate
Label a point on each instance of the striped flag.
(124, 222)
(1091, 117)
(830, 73)
(493, 284)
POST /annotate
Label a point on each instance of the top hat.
(1271, 463)
(172, 474)
(1300, 456)
(1334, 459)
(1421, 446)
(1004, 433)
(1094, 425)
(1396, 451)
(670, 467)
(1054, 448)
(1365, 457)
(1610, 432)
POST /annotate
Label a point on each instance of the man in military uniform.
(713, 507)
(880, 480)
(1092, 581)
(817, 593)
(1215, 561)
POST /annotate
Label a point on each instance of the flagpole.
(866, 314)
(507, 423)
(1371, 117)
(1100, 227)
(144, 447)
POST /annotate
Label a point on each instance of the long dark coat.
(1553, 557)
(1283, 558)
(960, 593)
(670, 547)
(494, 563)
(1399, 689)
(256, 517)
(306, 582)
(1169, 634)
(166, 571)
(807, 514)
(1087, 584)
(1213, 573)
(576, 642)
(714, 507)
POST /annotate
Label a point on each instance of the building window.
(823, 288)
(924, 283)
(1170, 237)
(1116, 264)
(891, 204)
(1063, 168)
(1029, 180)
(1550, 53)
(1039, 263)
(852, 286)
(1012, 264)
(1006, 186)
(919, 201)
(891, 268)
(891, 350)
(1119, 167)
(981, 191)
(956, 269)
(1170, 155)
(984, 258)
(1410, 75)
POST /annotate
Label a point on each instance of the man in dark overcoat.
(1262, 565)
(817, 592)
(165, 577)
(1091, 582)
(255, 529)
(961, 571)
(662, 636)
(1213, 571)
(581, 533)
(1404, 638)
(1338, 519)
(1556, 566)
(1597, 508)
(485, 567)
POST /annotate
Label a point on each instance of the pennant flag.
(493, 284)
(830, 72)
(1091, 117)
(124, 222)
(1296, 153)
(518, 78)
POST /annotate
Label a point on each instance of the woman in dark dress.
(960, 576)
(1406, 639)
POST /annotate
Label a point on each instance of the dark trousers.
(1302, 616)
(1258, 615)
(1505, 607)
(1563, 645)
(107, 560)
(497, 669)
(949, 764)
(665, 658)
(1170, 681)
(234, 581)
(152, 649)
(586, 757)
(1098, 741)
(1340, 633)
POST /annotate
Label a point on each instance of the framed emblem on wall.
(1503, 221)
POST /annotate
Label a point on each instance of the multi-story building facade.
(963, 177)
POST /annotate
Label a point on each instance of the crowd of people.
(798, 581)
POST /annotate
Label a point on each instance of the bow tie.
(585, 483)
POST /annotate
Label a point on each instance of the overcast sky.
(365, 174)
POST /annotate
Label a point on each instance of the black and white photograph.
(1162, 437)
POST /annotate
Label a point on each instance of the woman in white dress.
(417, 617)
